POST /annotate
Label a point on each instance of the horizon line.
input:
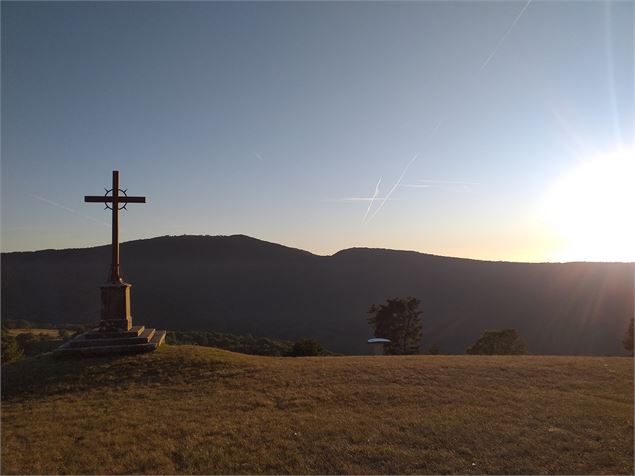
(316, 254)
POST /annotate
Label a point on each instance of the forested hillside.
(242, 285)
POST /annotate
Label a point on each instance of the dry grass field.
(198, 410)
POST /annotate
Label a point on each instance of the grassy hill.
(186, 409)
(241, 285)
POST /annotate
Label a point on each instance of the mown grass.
(186, 409)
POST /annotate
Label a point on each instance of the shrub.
(10, 349)
(499, 342)
(306, 348)
(245, 344)
(34, 344)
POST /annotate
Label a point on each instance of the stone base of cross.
(115, 307)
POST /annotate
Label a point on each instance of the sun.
(591, 210)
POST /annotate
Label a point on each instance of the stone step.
(82, 341)
(158, 338)
(135, 331)
(153, 340)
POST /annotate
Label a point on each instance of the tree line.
(399, 320)
(248, 344)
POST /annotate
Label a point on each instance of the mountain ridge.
(339, 252)
(239, 284)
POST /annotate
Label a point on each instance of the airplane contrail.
(55, 204)
(356, 199)
(372, 200)
(444, 115)
(63, 207)
(504, 37)
(446, 182)
(394, 186)
(415, 185)
(451, 185)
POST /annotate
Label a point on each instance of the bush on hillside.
(434, 350)
(245, 344)
(499, 342)
(306, 348)
(10, 349)
(34, 344)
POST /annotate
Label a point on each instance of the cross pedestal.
(115, 307)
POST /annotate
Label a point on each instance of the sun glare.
(591, 210)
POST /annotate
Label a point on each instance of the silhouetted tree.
(628, 338)
(306, 348)
(400, 321)
(499, 342)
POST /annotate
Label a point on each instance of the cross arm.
(102, 199)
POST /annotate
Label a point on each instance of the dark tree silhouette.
(400, 321)
(434, 350)
(499, 342)
(305, 348)
(628, 338)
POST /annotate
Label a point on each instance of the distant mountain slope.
(240, 284)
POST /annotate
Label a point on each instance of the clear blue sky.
(277, 120)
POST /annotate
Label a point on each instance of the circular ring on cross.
(121, 206)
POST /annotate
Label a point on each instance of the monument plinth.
(115, 307)
(115, 333)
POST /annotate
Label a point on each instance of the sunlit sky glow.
(488, 130)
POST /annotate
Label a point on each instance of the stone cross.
(115, 294)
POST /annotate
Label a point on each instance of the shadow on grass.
(47, 375)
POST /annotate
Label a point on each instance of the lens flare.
(591, 211)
